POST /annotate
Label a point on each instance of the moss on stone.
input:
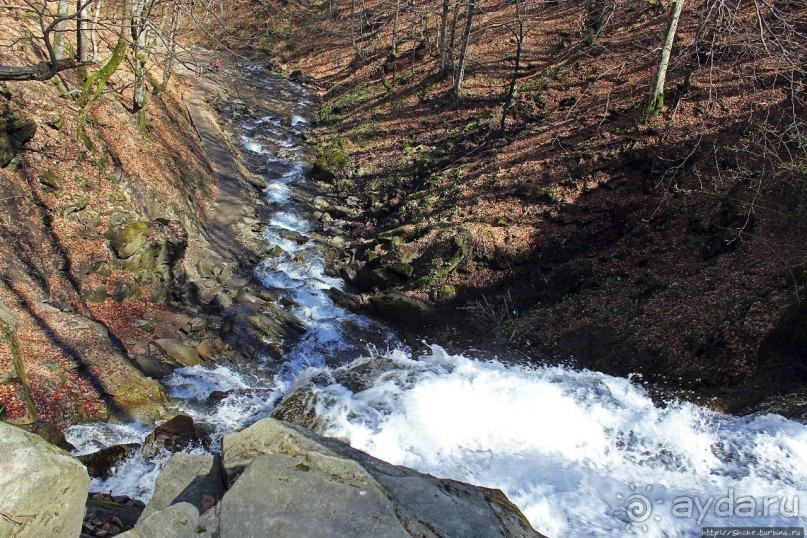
(127, 240)
(445, 293)
(330, 164)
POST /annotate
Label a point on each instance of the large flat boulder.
(42, 488)
(284, 496)
(423, 504)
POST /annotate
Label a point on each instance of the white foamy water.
(92, 437)
(290, 221)
(243, 398)
(277, 193)
(198, 382)
(575, 450)
(252, 146)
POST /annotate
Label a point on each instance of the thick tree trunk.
(466, 36)
(656, 102)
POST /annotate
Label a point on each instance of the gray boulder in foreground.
(286, 481)
(43, 489)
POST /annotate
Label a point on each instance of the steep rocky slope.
(121, 247)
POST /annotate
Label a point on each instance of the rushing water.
(581, 453)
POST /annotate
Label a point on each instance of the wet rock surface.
(174, 435)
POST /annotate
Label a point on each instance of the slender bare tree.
(466, 37)
(443, 43)
(656, 102)
(519, 31)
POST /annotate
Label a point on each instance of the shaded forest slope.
(577, 227)
(101, 232)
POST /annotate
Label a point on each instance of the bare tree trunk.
(394, 53)
(443, 36)
(453, 37)
(656, 102)
(362, 26)
(466, 36)
(395, 28)
(595, 13)
(61, 29)
(353, 22)
(93, 36)
(176, 22)
(82, 31)
(511, 90)
(140, 13)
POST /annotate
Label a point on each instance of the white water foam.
(573, 449)
(197, 382)
(252, 146)
(94, 436)
(278, 193)
(290, 221)
(135, 476)
(246, 397)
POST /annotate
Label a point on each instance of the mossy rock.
(403, 270)
(442, 268)
(299, 407)
(398, 307)
(400, 231)
(51, 181)
(361, 376)
(127, 239)
(177, 352)
(100, 464)
(445, 293)
(155, 248)
(94, 295)
(126, 290)
(74, 204)
(330, 164)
